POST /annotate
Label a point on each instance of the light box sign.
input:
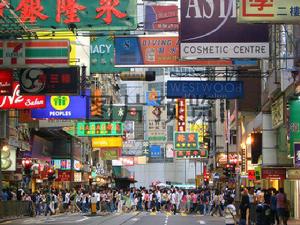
(181, 115)
(49, 81)
(91, 129)
(161, 17)
(297, 154)
(154, 51)
(63, 107)
(220, 35)
(6, 82)
(271, 11)
(34, 53)
(155, 151)
(186, 141)
(191, 154)
(79, 14)
(107, 142)
(61, 164)
(17, 101)
(205, 89)
(110, 153)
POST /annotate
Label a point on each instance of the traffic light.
(51, 174)
(227, 170)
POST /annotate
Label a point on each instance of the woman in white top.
(230, 213)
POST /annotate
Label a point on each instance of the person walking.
(252, 207)
(230, 212)
(217, 204)
(282, 207)
(244, 207)
(263, 210)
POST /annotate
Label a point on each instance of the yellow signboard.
(201, 129)
(107, 142)
(268, 11)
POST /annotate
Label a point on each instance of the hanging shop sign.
(77, 14)
(156, 123)
(138, 76)
(63, 175)
(191, 154)
(153, 98)
(251, 175)
(77, 165)
(220, 35)
(17, 101)
(270, 11)
(77, 177)
(294, 124)
(34, 53)
(63, 107)
(181, 115)
(107, 142)
(154, 51)
(102, 55)
(186, 141)
(8, 158)
(161, 17)
(110, 153)
(258, 172)
(277, 113)
(201, 129)
(205, 89)
(155, 151)
(273, 174)
(90, 129)
(6, 82)
(61, 164)
(50, 81)
(297, 154)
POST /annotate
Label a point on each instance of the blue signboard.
(153, 98)
(63, 107)
(205, 89)
(155, 151)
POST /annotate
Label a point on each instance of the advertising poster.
(156, 121)
(153, 98)
(110, 153)
(6, 82)
(220, 35)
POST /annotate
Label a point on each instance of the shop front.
(293, 178)
(273, 178)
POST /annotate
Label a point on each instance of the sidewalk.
(294, 222)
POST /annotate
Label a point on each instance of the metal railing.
(11, 209)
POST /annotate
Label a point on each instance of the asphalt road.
(123, 219)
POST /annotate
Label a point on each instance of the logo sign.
(107, 142)
(100, 129)
(155, 151)
(102, 55)
(50, 81)
(61, 164)
(34, 53)
(154, 51)
(220, 35)
(6, 82)
(153, 98)
(110, 153)
(63, 107)
(79, 14)
(191, 154)
(297, 154)
(205, 89)
(161, 18)
(186, 141)
(181, 115)
(269, 11)
(17, 101)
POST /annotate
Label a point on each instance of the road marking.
(202, 222)
(83, 219)
(183, 214)
(7, 222)
(153, 214)
(135, 219)
(166, 220)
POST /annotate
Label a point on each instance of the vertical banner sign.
(161, 17)
(297, 154)
(77, 14)
(181, 115)
(34, 53)
(220, 35)
(6, 82)
(102, 55)
(268, 11)
(156, 118)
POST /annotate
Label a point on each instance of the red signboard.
(6, 82)
(17, 101)
(273, 174)
(63, 176)
(251, 174)
(181, 116)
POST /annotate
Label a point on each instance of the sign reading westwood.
(77, 14)
(205, 89)
(272, 11)
(220, 35)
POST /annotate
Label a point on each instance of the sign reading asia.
(50, 81)
(6, 82)
(76, 14)
(186, 141)
(17, 101)
(220, 35)
(63, 107)
(205, 89)
(100, 129)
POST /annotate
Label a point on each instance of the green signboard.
(102, 55)
(186, 141)
(100, 129)
(294, 124)
(77, 14)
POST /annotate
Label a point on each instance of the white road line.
(83, 219)
(202, 222)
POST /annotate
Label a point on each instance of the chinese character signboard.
(181, 115)
(100, 129)
(50, 81)
(6, 82)
(297, 154)
(107, 142)
(161, 17)
(194, 154)
(220, 35)
(63, 107)
(110, 153)
(102, 55)
(154, 51)
(205, 89)
(17, 101)
(77, 14)
(34, 53)
(273, 174)
(156, 121)
(251, 174)
(268, 11)
(63, 176)
(186, 141)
